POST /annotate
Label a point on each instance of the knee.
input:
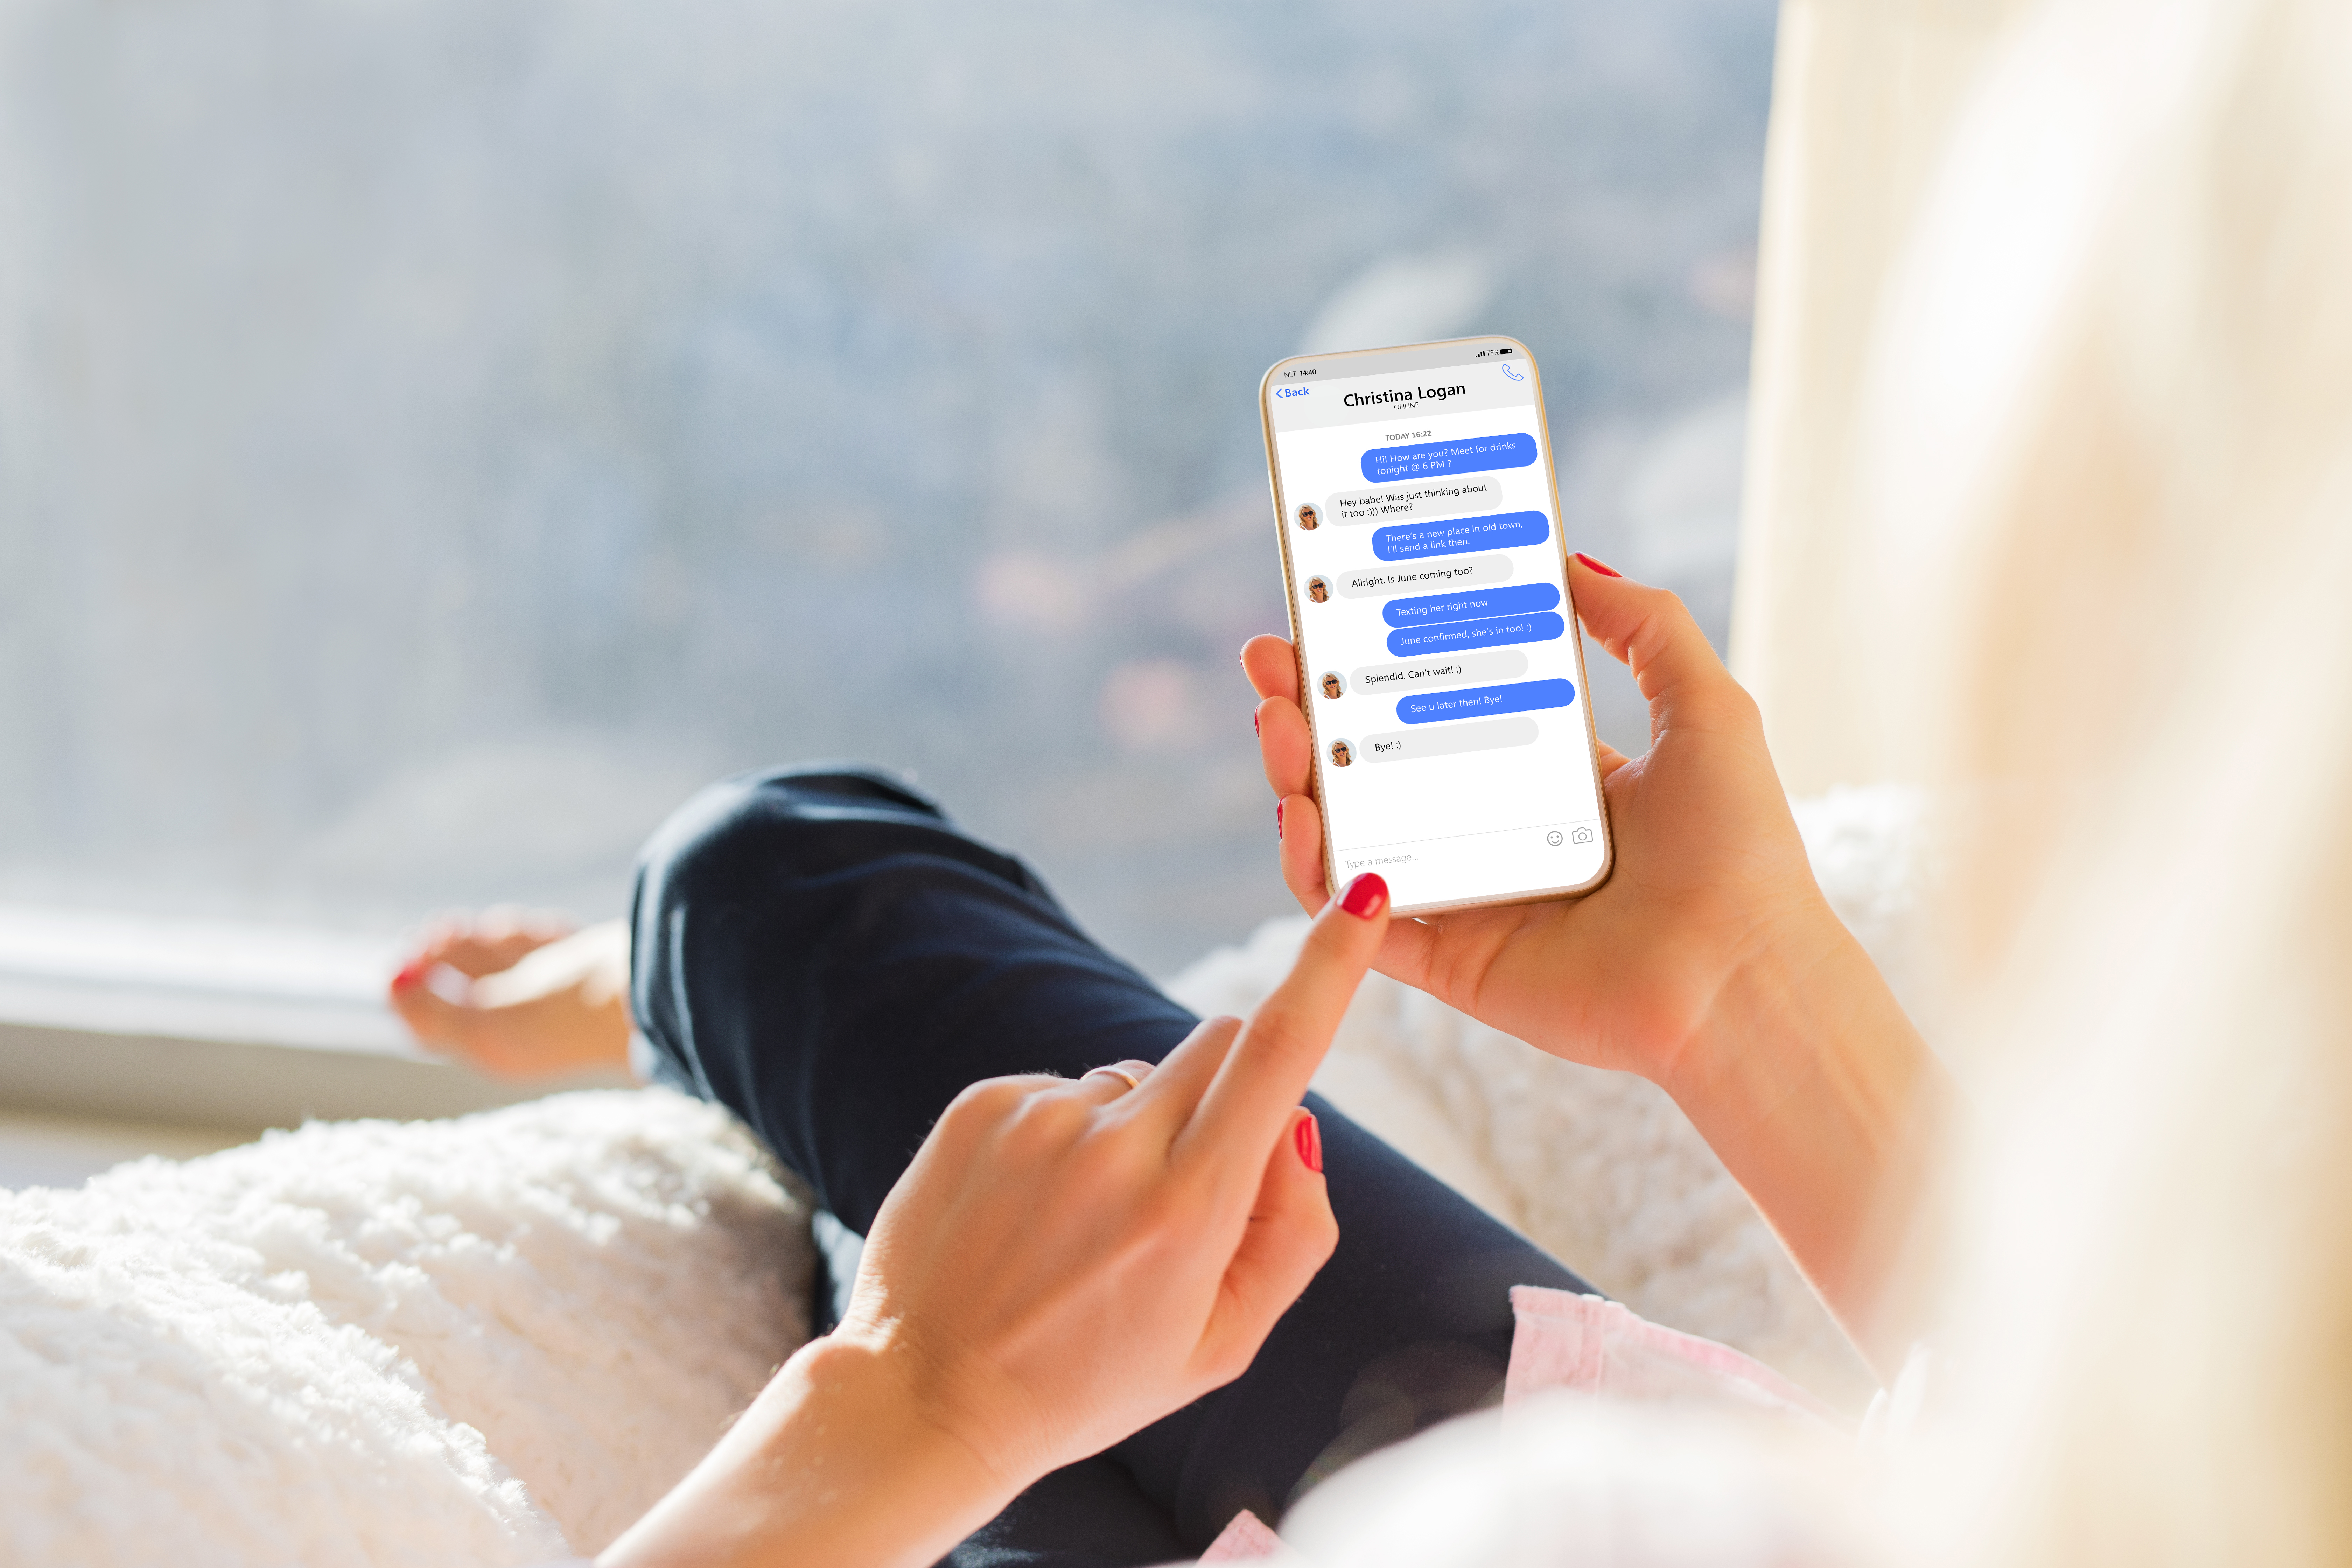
(704, 834)
(760, 822)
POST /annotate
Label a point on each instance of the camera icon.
(1582, 836)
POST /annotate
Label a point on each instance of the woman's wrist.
(835, 1462)
(1812, 1086)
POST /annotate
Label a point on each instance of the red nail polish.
(1309, 1136)
(1365, 895)
(1254, 723)
(1606, 571)
(1277, 819)
(409, 975)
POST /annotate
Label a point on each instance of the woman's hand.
(1063, 1264)
(1709, 963)
(1708, 868)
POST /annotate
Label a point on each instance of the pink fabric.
(1247, 1539)
(1582, 1344)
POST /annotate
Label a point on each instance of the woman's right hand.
(1064, 1263)
(1709, 963)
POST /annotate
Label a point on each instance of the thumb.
(1290, 1236)
(1648, 630)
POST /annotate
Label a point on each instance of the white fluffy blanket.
(497, 1340)
(469, 1342)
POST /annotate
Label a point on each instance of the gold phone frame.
(1520, 354)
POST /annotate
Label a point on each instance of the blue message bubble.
(1470, 605)
(1406, 541)
(1455, 635)
(1473, 456)
(1481, 701)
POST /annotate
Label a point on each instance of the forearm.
(832, 1465)
(1828, 1108)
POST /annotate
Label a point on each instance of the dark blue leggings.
(819, 950)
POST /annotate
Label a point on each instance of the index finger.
(1264, 1075)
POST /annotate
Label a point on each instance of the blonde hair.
(2107, 461)
(2111, 472)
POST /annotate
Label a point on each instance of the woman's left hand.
(1064, 1263)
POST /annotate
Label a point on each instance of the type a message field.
(1449, 869)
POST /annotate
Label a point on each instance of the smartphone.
(1440, 664)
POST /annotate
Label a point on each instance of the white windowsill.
(219, 1027)
(79, 969)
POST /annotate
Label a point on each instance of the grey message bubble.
(1386, 581)
(1427, 499)
(1447, 740)
(1430, 674)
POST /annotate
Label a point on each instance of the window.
(434, 439)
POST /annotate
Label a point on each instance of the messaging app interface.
(1434, 626)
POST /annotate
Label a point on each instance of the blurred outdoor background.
(437, 435)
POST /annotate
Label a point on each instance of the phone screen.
(1443, 680)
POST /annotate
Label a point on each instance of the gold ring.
(1132, 1081)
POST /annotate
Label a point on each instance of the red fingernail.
(1309, 1139)
(409, 975)
(1254, 723)
(1365, 895)
(1606, 571)
(1277, 819)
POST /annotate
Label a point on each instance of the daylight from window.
(435, 437)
